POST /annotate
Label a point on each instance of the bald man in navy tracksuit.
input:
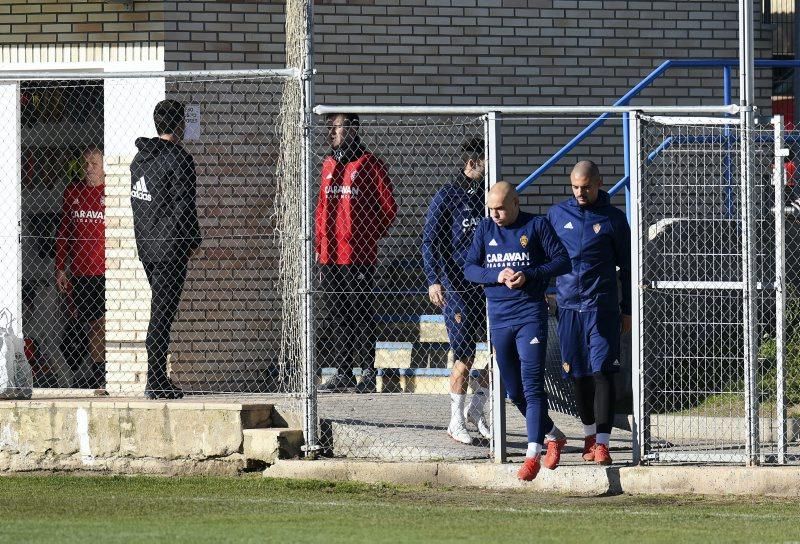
(591, 315)
(513, 255)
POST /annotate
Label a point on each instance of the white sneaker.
(476, 418)
(458, 432)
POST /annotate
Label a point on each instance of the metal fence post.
(310, 422)
(493, 138)
(638, 425)
(626, 159)
(779, 181)
(747, 175)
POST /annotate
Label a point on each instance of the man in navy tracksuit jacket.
(454, 212)
(590, 313)
(513, 255)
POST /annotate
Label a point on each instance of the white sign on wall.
(192, 114)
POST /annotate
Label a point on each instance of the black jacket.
(163, 190)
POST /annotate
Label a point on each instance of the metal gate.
(710, 351)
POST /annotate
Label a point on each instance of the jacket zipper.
(580, 260)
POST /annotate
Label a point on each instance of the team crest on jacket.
(523, 240)
(457, 318)
(596, 228)
(565, 366)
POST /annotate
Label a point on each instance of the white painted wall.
(128, 112)
(10, 205)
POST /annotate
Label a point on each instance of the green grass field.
(60, 509)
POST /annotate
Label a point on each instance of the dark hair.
(351, 118)
(473, 149)
(168, 116)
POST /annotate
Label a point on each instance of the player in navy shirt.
(513, 255)
(453, 214)
(590, 312)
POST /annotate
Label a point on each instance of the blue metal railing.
(727, 66)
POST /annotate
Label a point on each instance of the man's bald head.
(503, 203)
(585, 181)
(586, 169)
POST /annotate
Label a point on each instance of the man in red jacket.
(81, 242)
(355, 208)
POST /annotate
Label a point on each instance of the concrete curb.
(572, 480)
(674, 480)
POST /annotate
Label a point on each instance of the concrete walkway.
(402, 427)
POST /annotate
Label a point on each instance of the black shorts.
(89, 296)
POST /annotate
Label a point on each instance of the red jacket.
(354, 210)
(82, 232)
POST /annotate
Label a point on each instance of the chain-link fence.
(401, 338)
(693, 359)
(122, 231)
(127, 236)
(147, 267)
(778, 370)
(398, 200)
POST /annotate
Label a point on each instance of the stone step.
(269, 445)
(410, 328)
(432, 329)
(406, 380)
(422, 355)
(189, 436)
(416, 380)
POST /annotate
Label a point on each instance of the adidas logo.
(493, 243)
(140, 191)
(535, 340)
(616, 363)
(569, 226)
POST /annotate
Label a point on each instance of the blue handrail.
(726, 64)
(598, 122)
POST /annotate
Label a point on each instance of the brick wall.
(54, 21)
(448, 52)
(527, 52)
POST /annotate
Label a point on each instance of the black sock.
(584, 398)
(604, 401)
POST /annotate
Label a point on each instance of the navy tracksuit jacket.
(598, 239)
(528, 245)
(452, 217)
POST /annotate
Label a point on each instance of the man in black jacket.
(163, 189)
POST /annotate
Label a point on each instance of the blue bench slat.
(400, 346)
(407, 372)
(420, 372)
(409, 318)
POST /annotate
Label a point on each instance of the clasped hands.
(511, 279)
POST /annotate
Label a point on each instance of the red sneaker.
(601, 455)
(553, 455)
(588, 447)
(529, 469)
